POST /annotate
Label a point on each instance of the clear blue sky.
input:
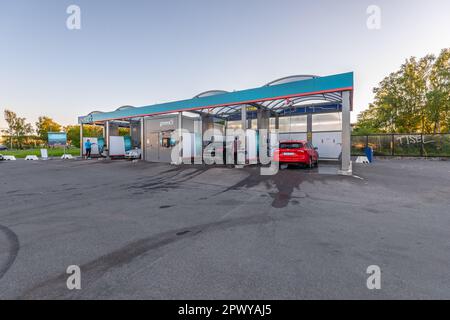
(143, 52)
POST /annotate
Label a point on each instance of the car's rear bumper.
(294, 160)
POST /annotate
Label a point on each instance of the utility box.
(369, 153)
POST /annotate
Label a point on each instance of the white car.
(133, 154)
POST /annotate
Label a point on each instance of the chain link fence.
(403, 145)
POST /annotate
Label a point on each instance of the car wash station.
(304, 107)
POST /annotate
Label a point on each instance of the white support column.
(346, 165)
(204, 127)
(180, 136)
(107, 138)
(81, 139)
(142, 138)
(259, 119)
(244, 117)
(309, 127)
(198, 133)
(242, 147)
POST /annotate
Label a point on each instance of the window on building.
(327, 122)
(290, 124)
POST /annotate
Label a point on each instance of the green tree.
(124, 131)
(73, 133)
(18, 129)
(46, 125)
(412, 99)
(438, 96)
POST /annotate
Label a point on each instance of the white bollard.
(44, 154)
(363, 160)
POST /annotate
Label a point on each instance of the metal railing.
(403, 145)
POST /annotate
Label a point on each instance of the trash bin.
(369, 153)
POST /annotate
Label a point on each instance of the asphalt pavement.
(154, 231)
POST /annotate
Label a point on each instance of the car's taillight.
(301, 151)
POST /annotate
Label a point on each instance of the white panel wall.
(116, 146)
(252, 155)
(328, 143)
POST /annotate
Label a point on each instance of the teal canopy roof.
(270, 96)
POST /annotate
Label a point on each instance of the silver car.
(133, 154)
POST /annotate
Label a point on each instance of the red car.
(297, 152)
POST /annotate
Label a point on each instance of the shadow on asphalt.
(285, 181)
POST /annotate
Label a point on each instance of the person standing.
(88, 148)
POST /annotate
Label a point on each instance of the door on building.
(329, 144)
(166, 144)
(152, 147)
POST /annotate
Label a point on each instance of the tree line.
(414, 99)
(22, 135)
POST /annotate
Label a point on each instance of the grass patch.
(52, 152)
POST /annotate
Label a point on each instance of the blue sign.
(57, 139)
(100, 144)
(128, 144)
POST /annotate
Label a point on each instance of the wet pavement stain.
(167, 180)
(13, 250)
(284, 181)
(55, 288)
